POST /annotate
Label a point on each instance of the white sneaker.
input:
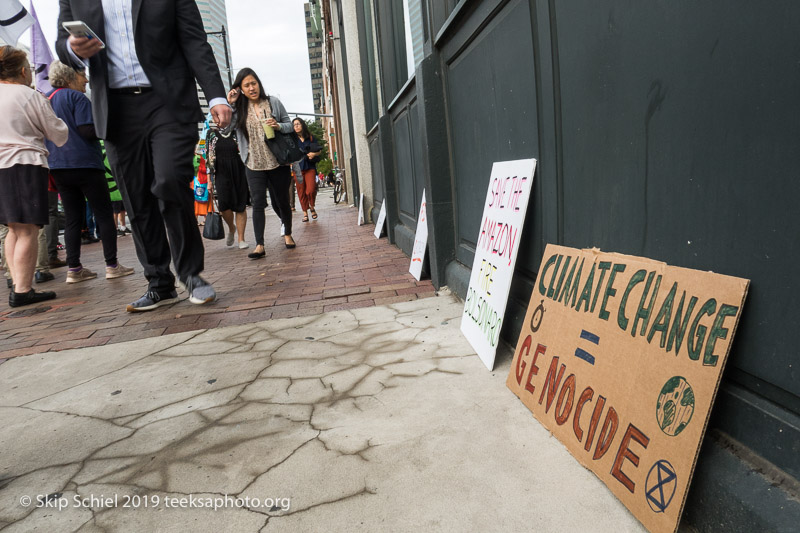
(283, 230)
(230, 237)
(243, 245)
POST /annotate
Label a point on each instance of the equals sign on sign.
(583, 354)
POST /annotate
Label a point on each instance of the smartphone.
(78, 28)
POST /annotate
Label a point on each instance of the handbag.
(213, 229)
(285, 147)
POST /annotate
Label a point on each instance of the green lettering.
(542, 274)
(553, 279)
(573, 292)
(718, 332)
(610, 290)
(635, 279)
(644, 312)
(603, 265)
(561, 278)
(678, 330)
(697, 334)
(587, 291)
(662, 318)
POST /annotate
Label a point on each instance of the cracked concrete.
(371, 419)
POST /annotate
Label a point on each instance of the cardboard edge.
(713, 400)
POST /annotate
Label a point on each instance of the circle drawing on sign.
(675, 406)
(659, 488)
(540, 312)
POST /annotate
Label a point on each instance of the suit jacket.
(171, 45)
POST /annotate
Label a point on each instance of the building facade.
(215, 23)
(666, 131)
(314, 41)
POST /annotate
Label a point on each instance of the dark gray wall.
(666, 130)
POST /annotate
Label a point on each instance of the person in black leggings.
(256, 115)
(78, 171)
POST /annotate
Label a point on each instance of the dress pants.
(151, 157)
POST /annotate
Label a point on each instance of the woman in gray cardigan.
(254, 116)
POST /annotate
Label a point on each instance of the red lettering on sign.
(624, 452)
(606, 434)
(586, 395)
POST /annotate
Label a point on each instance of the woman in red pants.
(307, 185)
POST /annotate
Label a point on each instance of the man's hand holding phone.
(84, 47)
(84, 42)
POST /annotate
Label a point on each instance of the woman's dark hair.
(242, 102)
(12, 61)
(304, 129)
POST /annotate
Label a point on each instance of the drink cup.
(268, 131)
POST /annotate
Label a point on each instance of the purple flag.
(41, 54)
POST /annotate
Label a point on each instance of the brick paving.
(336, 265)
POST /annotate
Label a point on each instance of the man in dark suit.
(145, 106)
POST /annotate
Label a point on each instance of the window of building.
(414, 34)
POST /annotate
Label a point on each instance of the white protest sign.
(420, 241)
(361, 210)
(381, 220)
(496, 255)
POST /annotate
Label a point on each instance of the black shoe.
(17, 299)
(152, 300)
(257, 255)
(9, 282)
(42, 276)
(290, 244)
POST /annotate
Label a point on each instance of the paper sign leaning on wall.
(496, 255)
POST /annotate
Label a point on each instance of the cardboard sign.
(620, 358)
(420, 241)
(496, 255)
(381, 220)
(361, 210)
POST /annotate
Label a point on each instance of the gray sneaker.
(200, 291)
(81, 275)
(118, 271)
(152, 300)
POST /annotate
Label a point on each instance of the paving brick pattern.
(336, 265)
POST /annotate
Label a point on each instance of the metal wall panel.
(404, 167)
(490, 92)
(680, 143)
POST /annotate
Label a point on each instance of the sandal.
(305, 218)
(313, 214)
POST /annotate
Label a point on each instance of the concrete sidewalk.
(375, 419)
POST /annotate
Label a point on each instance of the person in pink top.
(27, 119)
